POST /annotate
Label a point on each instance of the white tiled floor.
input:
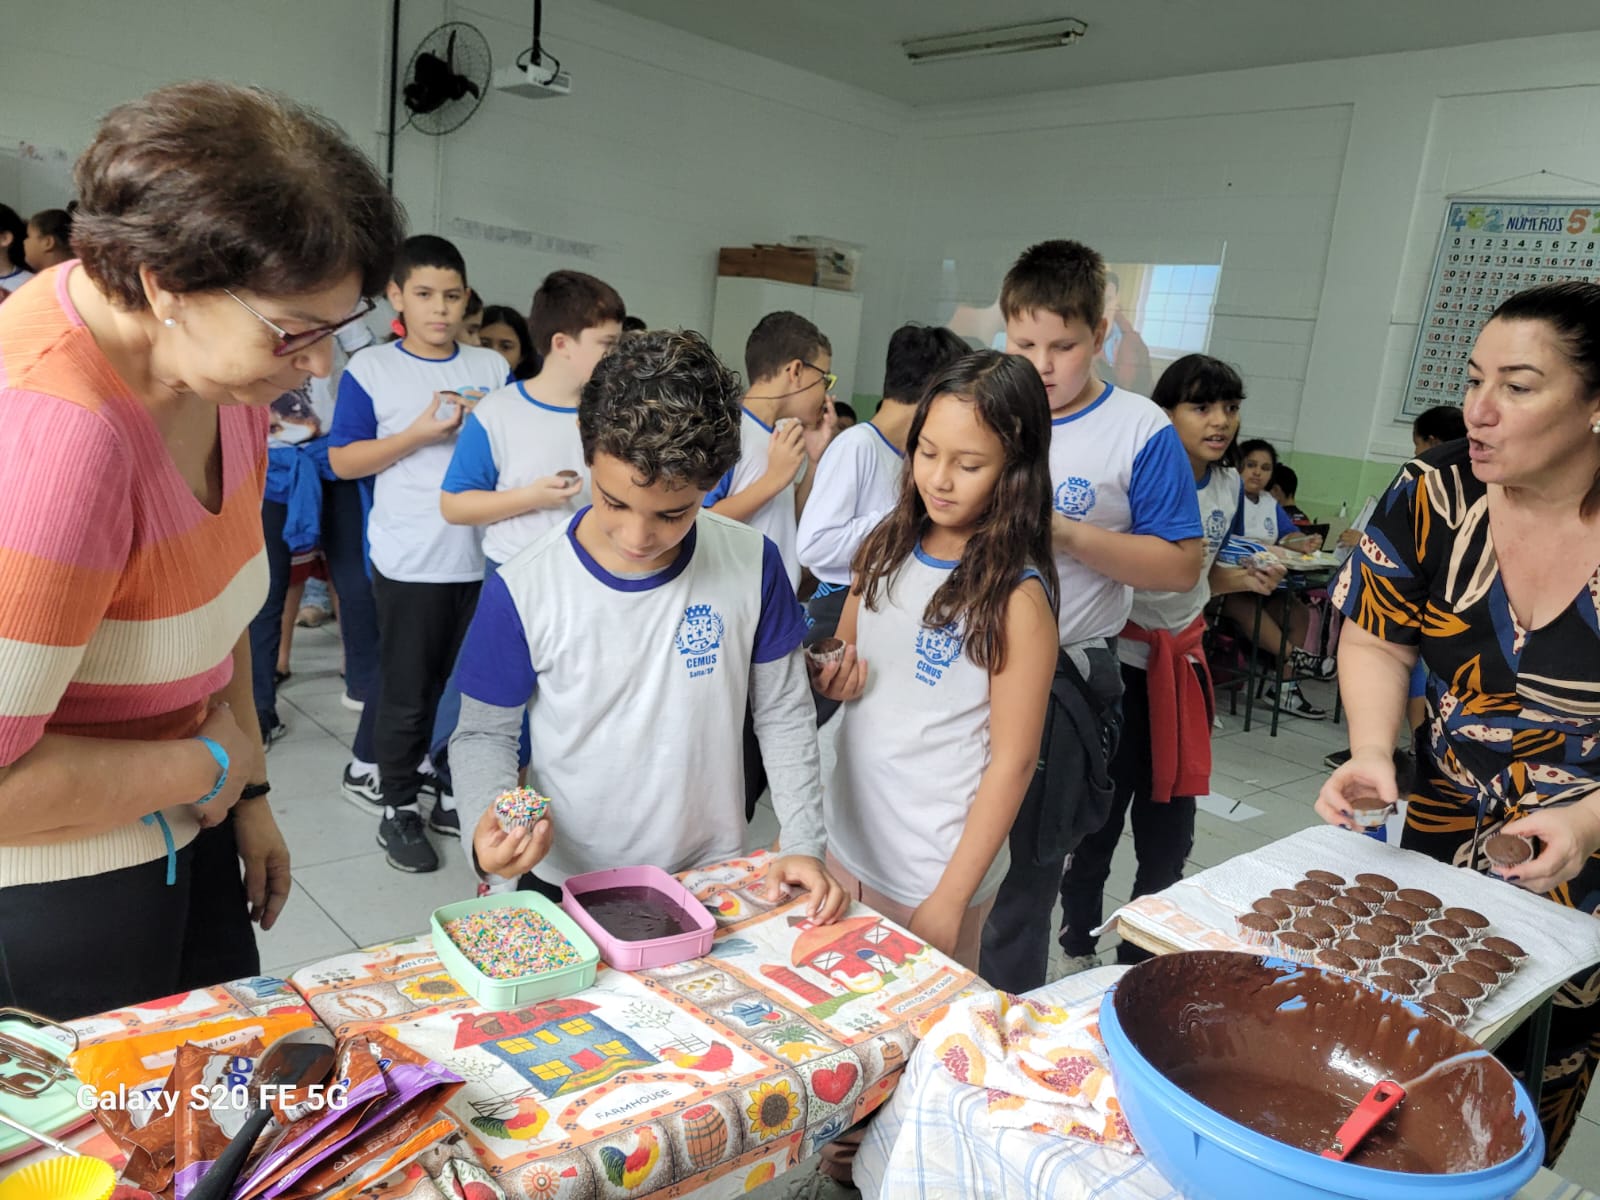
(346, 895)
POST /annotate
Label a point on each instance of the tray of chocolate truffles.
(1406, 941)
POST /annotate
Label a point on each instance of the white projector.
(533, 82)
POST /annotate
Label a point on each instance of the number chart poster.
(1489, 250)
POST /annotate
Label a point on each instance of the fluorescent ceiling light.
(1007, 39)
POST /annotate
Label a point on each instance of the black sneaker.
(363, 791)
(273, 736)
(445, 821)
(1292, 702)
(407, 844)
(1303, 662)
(1336, 760)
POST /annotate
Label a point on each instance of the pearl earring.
(170, 323)
(1594, 426)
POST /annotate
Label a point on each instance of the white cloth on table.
(934, 1140)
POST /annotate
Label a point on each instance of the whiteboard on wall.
(1489, 250)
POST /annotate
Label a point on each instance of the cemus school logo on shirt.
(936, 650)
(1216, 527)
(699, 638)
(1075, 497)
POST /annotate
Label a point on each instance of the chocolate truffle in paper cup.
(1267, 906)
(1392, 984)
(1296, 946)
(520, 808)
(1504, 946)
(1369, 812)
(1327, 877)
(1318, 891)
(1426, 901)
(1336, 960)
(1500, 964)
(1318, 931)
(1378, 883)
(1420, 954)
(1366, 955)
(1403, 968)
(1336, 917)
(1453, 983)
(825, 653)
(1508, 850)
(1478, 972)
(1450, 1009)
(1352, 906)
(1256, 929)
(1443, 947)
(1474, 920)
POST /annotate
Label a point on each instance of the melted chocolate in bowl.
(1289, 1051)
(636, 914)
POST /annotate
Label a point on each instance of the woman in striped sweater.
(224, 233)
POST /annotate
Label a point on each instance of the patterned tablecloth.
(704, 1078)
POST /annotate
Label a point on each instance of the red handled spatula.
(1382, 1100)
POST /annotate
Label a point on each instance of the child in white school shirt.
(953, 605)
(634, 637)
(400, 407)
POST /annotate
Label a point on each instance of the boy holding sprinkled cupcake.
(633, 636)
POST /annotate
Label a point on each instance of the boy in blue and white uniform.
(858, 479)
(634, 637)
(400, 407)
(505, 473)
(785, 423)
(1125, 517)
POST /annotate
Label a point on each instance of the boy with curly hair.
(633, 635)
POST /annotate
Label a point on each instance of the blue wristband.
(221, 755)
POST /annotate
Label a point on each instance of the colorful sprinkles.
(510, 943)
(520, 807)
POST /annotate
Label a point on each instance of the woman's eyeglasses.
(293, 343)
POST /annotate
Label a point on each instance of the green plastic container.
(502, 994)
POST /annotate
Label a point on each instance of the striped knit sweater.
(121, 596)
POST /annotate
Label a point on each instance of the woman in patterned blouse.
(1482, 558)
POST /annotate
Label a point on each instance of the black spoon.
(295, 1060)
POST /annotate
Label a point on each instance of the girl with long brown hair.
(953, 603)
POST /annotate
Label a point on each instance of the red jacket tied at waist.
(1181, 710)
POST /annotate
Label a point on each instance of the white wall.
(1321, 182)
(65, 64)
(1324, 180)
(670, 146)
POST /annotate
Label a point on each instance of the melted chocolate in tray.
(636, 914)
(1290, 1052)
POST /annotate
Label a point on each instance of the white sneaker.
(1292, 702)
(350, 702)
(1075, 963)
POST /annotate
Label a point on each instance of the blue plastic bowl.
(1205, 1002)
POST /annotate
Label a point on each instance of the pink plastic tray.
(635, 956)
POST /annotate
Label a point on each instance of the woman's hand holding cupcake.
(1564, 836)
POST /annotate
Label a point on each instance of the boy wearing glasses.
(786, 419)
(400, 406)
